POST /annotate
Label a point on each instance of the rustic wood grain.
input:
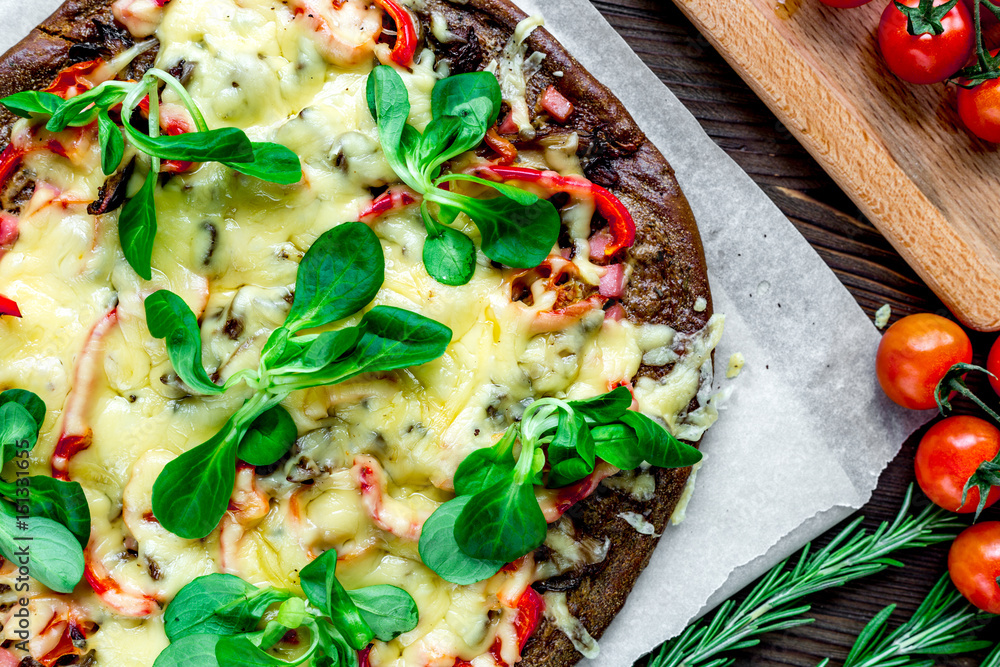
(897, 148)
(862, 258)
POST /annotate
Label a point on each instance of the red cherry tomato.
(948, 454)
(979, 109)
(926, 58)
(914, 355)
(993, 365)
(845, 4)
(974, 565)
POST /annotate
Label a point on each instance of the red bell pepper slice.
(71, 78)
(506, 150)
(406, 33)
(10, 160)
(390, 200)
(530, 607)
(556, 104)
(620, 221)
(9, 307)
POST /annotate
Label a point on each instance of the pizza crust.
(669, 274)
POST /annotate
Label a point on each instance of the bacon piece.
(613, 281)
(508, 126)
(556, 104)
(385, 511)
(615, 313)
(8, 659)
(76, 433)
(598, 243)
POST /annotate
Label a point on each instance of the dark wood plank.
(863, 260)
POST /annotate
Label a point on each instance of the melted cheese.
(230, 245)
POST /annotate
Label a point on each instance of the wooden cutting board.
(899, 150)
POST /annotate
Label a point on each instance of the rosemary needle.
(943, 624)
(771, 605)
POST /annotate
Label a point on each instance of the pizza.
(350, 332)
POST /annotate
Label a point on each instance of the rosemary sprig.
(943, 624)
(851, 555)
(993, 659)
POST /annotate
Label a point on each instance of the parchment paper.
(806, 432)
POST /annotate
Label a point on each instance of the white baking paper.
(806, 432)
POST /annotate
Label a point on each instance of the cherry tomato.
(845, 4)
(926, 58)
(993, 365)
(914, 355)
(979, 109)
(948, 454)
(974, 565)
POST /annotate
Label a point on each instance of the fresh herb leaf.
(335, 280)
(62, 502)
(56, 557)
(269, 437)
(657, 446)
(30, 103)
(243, 652)
(606, 408)
(319, 583)
(190, 651)
(330, 346)
(393, 338)
(191, 494)
(618, 445)
(137, 228)
(82, 109)
(271, 162)
(487, 467)
(30, 400)
(474, 97)
(449, 257)
(389, 611)
(518, 228)
(440, 552)
(225, 144)
(16, 426)
(340, 274)
(513, 233)
(169, 318)
(111, 141)
(218, 604)
(502, 523)
(389, 104)
(571, 452)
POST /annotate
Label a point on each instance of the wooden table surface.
(864, 261)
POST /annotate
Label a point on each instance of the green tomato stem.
(957, 385)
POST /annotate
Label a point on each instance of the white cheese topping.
(229, 245)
